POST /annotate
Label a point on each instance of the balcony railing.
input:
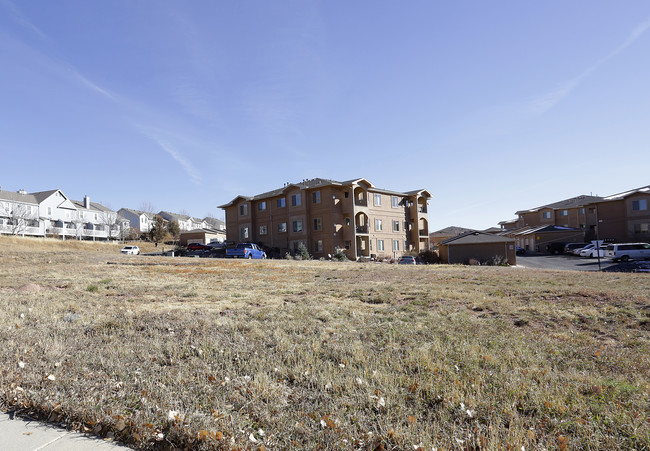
(423, 232)
(422, 209)
(362, 229)
(361, 202)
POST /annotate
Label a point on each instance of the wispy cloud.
(546, 101)
(135, 111)
(164, 144)
(21, 20)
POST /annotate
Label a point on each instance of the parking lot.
(573, 263)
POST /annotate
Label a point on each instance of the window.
(380, 245)
(296, 226)
(315, 197)
(243, 210)
(282, 202)
(263, 230)
(261, 206)
(282, 227)
(378, 225)
(641, 228)
(395, 226)
(546, 215)
(347, 221)
(564, 212)
(377, 200)
(581, 211)
(347, 194)
(395, 201)
(317, 224)
(396, 245)
(243, 233)
(638, 205)
(49, 211)
(295, 200)
(347, 245)
(318, 246)
(406, 245)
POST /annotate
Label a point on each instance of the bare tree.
(108, 219)
(147, 207)
(20, 217)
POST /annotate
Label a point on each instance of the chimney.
(87, 202)
(22, 191)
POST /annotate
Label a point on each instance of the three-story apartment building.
(324, 215)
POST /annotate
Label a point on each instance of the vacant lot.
(160, 352)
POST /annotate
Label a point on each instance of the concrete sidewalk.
(18, 434)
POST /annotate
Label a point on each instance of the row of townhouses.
(53, 213)
(326, 215)
(621, 217)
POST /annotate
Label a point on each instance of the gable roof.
(318, 182)
(18, 197)
(623, 195)
(476, 237)
(138, 212)
(93, 206)
(574, 202)
(451, 231)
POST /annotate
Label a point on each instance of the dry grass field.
(218, 354)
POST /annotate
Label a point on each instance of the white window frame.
(282, 227)
(296, 226)
(379, 225)
(380, 245)
(376, 199)
(263, 230)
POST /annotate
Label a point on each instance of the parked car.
(406, 260)
(585, 248)
(570, 247)
(245, 250)
(520, 250)
(555, 248)
(628, 251)
(197, 247)
(130, 250)
(593, 252)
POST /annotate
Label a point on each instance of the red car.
(197, 247)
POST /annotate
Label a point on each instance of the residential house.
(324, 215)
(441, 235)
(19, 214)
(139, 220)
(185, 222)
(215, 224)
(479, 246)
(622, 217)
(565, 213)
(52, 213)
(537, 239)
(94, 220)
(202, 236)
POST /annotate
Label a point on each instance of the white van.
(628, 251)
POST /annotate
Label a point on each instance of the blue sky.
(491, 106)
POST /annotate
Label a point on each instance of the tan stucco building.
(353, 215)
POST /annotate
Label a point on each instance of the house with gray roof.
(51, 212)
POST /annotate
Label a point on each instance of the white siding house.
(52, 213)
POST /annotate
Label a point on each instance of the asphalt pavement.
(574, 263)
(19, 434)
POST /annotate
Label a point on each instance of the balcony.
(422, 209)
(361, 202)
(362, 229)
(423, 232)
